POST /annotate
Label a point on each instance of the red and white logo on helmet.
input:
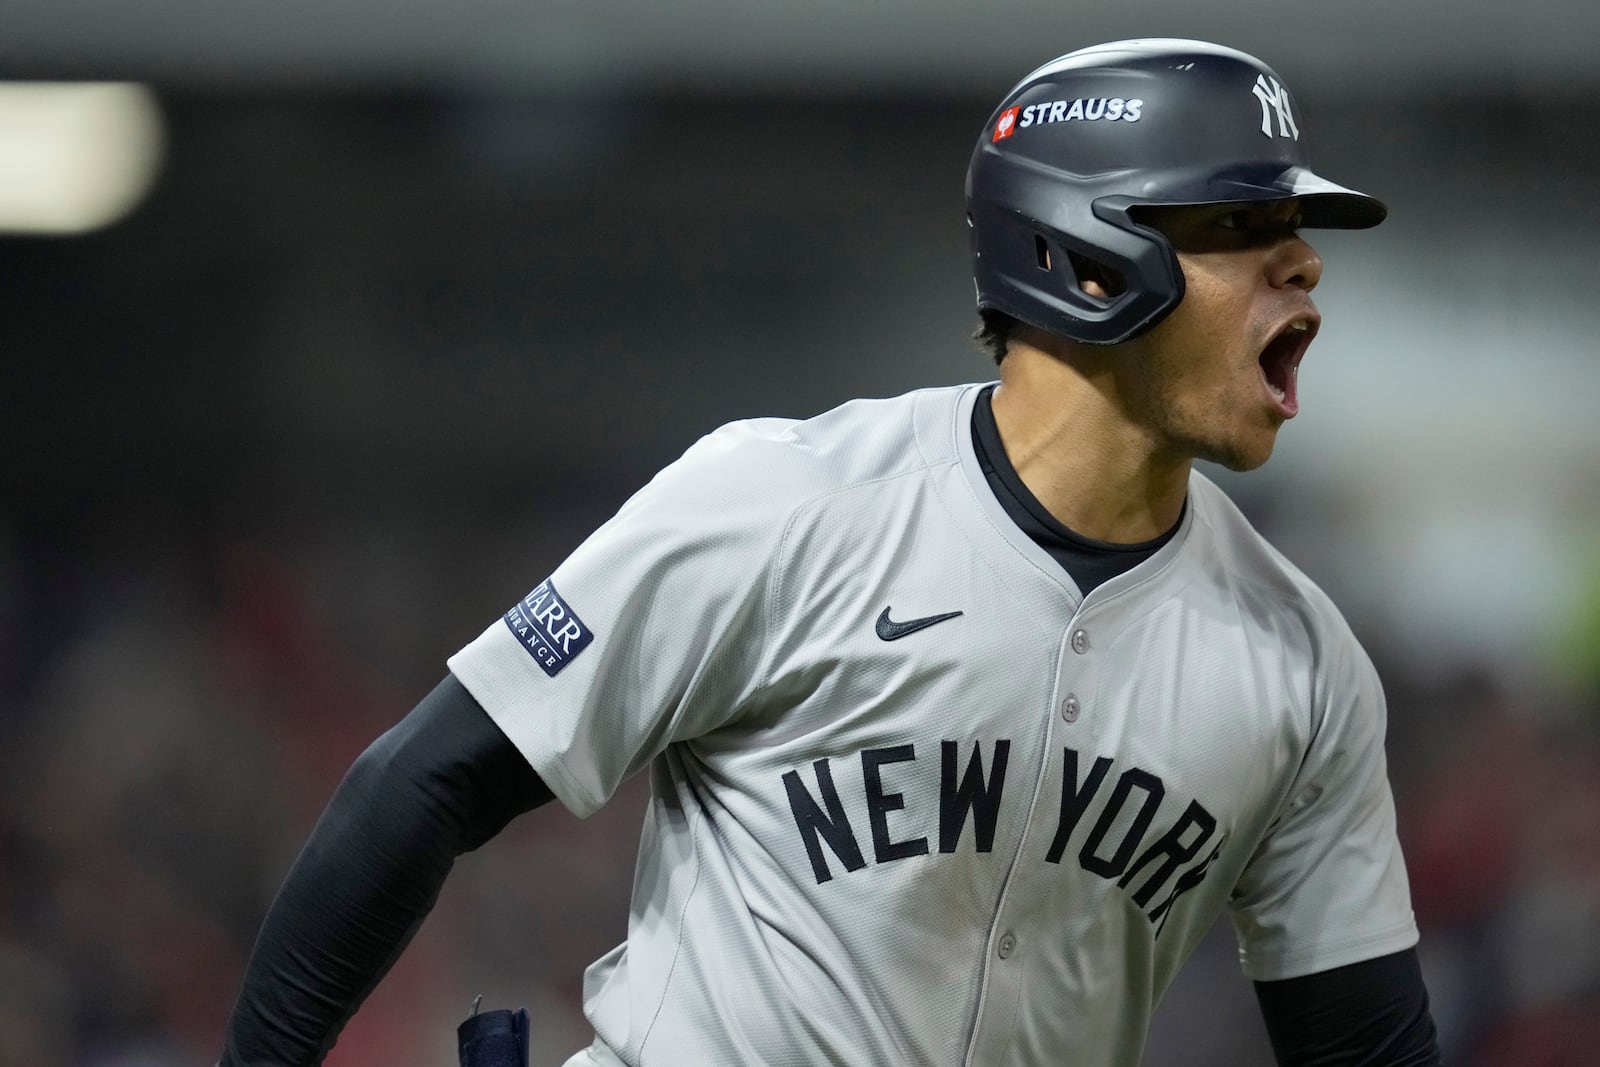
(1006, 125)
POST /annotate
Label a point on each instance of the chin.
(1238, 456)
(1222, 430)
(1241, 464)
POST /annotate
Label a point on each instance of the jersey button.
(1080, 641)
(1069, 708)
(1008, 945)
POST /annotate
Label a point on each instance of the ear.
(1098, 281)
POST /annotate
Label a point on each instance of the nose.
(1295, 263)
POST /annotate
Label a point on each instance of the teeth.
(1300, 325)
(1275, 391)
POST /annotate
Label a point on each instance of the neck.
(1071, 441)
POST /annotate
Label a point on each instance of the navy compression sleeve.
(1368, 1014)
(441, 782)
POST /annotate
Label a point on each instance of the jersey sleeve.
(1327, 884)
(650, 632)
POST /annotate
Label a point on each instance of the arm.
(441, 782)
(1370, 1013)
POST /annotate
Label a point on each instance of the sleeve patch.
(551, 631)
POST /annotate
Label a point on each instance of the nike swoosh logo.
(889, 630)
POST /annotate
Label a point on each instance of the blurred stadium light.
(75, 156)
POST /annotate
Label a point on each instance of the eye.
(1234, 220)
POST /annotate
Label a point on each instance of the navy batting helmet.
(1084, 141)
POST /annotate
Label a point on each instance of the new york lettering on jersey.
(825, 823)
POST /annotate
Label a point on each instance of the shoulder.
(1270, 589)
(787, 463)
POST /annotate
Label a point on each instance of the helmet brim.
(1325, 205)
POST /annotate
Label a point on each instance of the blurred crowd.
(177, 713)
(169, 739)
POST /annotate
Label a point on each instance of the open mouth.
(1280, 361)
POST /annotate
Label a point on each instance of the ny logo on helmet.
(1275, 97)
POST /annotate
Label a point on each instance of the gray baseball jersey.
(915, 800)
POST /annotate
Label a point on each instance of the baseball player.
(965, 712)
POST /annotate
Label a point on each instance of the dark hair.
(994, 332)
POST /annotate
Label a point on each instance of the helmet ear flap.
(1084, 270)
(1032, 268)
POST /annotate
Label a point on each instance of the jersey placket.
(1022, 915)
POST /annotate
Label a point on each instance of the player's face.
(1217, 377)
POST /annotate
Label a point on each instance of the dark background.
(415, 302)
